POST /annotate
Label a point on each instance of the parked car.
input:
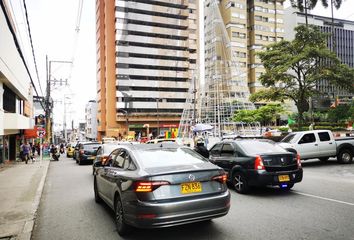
(160, 185)
(320, 144)
(86, 152)
(103, 152)
(256, 163)
(76, 149)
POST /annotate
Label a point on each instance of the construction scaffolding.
(225, 89)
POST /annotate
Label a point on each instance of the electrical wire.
(33, 54)
(18, 47)
(76, 37)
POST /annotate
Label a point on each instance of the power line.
(76, 37)
(30, 37)
(18, 47)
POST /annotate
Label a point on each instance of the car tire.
(239, 182)
(324, 159)
(122, 228)
(98, 199)
(345, 156)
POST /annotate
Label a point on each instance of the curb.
(26, 233)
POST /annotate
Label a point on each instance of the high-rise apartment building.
(146, 57)
(342, 44)
(250, 24)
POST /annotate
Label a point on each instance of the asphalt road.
(320, 207)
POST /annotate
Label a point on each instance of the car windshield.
(91, 147)
(169, 157)
(288, 138)
(256, 147)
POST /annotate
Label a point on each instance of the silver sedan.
(160, 185)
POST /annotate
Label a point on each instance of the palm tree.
(336, 4)
(304, 5)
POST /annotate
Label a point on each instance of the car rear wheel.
(239, 182)
(324, 159)
(95, 189)
(122, 227)
(345, 156)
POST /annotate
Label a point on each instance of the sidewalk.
(21, 187)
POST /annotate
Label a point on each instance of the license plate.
(192, 187)
(283, 178)
(91, 158)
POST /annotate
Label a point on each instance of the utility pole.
(158, 118)
(47, 100)
(48, 107)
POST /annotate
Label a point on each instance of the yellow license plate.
(283, 178)
(192, 187)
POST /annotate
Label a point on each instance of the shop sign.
(135, 126)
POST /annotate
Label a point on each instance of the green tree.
(292, 69)
(339, 113)
(264, 114)
(246, 116)
(269, 113)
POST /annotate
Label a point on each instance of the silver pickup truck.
(320, 144)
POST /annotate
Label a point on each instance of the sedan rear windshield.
(90, 147)
(169, 157)
(255, 147)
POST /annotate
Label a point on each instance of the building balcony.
(151, 29)
(154, 8)
(13, 121)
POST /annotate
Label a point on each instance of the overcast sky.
(53, 24)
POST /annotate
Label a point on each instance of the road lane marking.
(323, 198)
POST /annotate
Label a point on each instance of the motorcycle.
(55, 154)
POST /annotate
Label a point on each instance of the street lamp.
(126, 111)
(158, 118)
(126, 117)
(66, 96)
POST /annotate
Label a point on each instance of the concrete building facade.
(16, 100)
(251, 24)
(91, 120)
(146, 57)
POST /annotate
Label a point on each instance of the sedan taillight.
(221, 178)
(148, 186)
(258, 163)
(298, 160)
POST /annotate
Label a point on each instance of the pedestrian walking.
(26, 151)
(38, 148)
(200, 148)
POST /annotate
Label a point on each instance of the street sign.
(40, 120)
(41, 132)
